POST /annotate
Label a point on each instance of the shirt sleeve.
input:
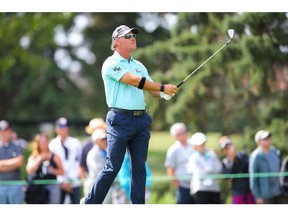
(170, 158)
(113, 70)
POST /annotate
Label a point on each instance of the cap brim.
(267, 134)
(134, 30)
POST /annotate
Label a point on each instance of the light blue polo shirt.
(119, 94)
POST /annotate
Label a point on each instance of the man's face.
(265, 142)
(6, 134)
(126, 43)
(63, 132)
(102, 143)
(182, 136)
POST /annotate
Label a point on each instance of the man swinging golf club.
(127, 120)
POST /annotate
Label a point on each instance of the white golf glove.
(165, 96)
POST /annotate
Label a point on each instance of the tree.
(244, 85)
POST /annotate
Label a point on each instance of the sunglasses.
(128, 36)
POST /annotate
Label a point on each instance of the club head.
(231, 33)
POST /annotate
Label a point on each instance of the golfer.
(127, 120)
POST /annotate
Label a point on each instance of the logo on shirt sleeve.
(138, 70)
(117, 69)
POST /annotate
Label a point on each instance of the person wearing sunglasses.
(128, 122)
(69, 150)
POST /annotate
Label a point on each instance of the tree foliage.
(242, 89)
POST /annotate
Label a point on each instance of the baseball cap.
(98, 134)
(4, 125)
(224, 141)
(122, 30)
(94, 124)
(198, 138)
(178, 128)
(262, 134)
(62, 123)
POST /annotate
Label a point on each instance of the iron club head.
(231, 33)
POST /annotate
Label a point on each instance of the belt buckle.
(137, 113)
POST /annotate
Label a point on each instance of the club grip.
(181, 83)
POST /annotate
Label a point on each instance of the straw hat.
(94, 124)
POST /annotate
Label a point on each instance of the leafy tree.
(243, 86)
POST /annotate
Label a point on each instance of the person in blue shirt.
(265, 159)
(127, 120)
(123, 178)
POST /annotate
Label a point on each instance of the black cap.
(62, 123)
(122, 30)
(4, 125)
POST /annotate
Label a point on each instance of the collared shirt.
(8, 152)
(118, 94)
(70, 157)
(178, 157)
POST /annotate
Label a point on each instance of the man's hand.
(67, 187)
(260, 201)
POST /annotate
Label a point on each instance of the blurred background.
(50, 66)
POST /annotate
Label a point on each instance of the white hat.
(261, 134)
(198, 138)
(4, 125)
(178, 128)
(99, 134)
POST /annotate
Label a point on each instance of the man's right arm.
(134, 80)
(254, 181)
(171, 173)
(11, 164)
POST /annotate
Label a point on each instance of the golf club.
(231, 33)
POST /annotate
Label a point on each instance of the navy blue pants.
(124, 131)
(184, 197)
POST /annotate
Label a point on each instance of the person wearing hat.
(206, 190)
(236, 163)
(11, 160)
(265, 159)
(69, 149)
(96, 159)
(87, 146)
(176, 163)
(127, 120)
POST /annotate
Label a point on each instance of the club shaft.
(183, 81)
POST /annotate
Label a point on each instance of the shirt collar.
(119, 57)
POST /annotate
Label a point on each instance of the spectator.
(205, 189)
(176, 163)
(87, 146)
(11, 160)
(125, 182)
(96, 160)
(43, 165)
(69, 150)
(236, 163)
(17, 140)
(265, 159)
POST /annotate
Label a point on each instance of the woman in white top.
(206, 190)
